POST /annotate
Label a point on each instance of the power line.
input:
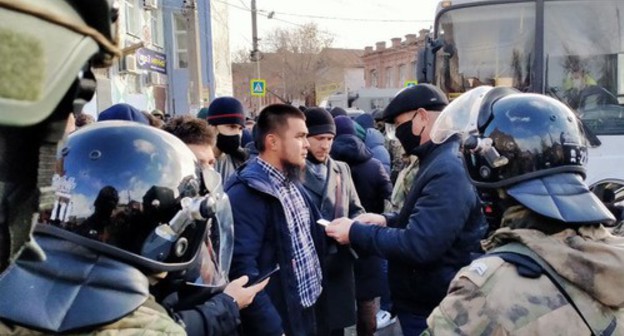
(266, 13)
(244, 5)
(350, 19)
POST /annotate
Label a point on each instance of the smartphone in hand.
(323, 222)
(265, 276)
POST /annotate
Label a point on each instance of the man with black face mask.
(440, 223)
(227, 115)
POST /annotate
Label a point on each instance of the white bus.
(572, 50)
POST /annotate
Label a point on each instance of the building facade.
(168, 60)
(393, 66)
(139, 77)
(198, 35)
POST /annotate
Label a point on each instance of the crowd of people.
(296, 222)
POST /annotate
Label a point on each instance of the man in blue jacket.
(440, 223)
(275, 224)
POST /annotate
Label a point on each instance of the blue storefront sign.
(151, 60)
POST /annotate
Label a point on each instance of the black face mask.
(228, 144)
(408, 140)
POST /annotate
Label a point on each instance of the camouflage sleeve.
(465, 310)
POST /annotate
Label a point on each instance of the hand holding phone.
(323, 222)
(265, 276)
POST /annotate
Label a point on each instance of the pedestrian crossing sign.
(258, 87)
(410, 83)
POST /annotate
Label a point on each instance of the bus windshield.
(584, 60)
(494, 44)
(485, 45)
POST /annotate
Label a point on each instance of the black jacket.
(374, 187)
(432, 237)
(262, 240)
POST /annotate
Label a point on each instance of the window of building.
(133, 17)
(373, 78)
(157, 28)
(389, 77)
(180, 38)
(402, 74)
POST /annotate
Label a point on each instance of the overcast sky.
(371, 20)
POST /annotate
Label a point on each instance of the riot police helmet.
(530, 145)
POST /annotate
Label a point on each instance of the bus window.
(486, 45)
(582, 43)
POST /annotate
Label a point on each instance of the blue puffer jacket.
(261, 241)
(433, 236)
(375, 142)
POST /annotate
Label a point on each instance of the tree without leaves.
(297, 59)
(241, 56)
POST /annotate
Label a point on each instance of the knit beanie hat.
(123, 112)
(319, 121)
(338, 111)
(224, 111)
(344, 125)
(365, 120)
(203, 113)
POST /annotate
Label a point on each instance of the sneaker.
(384, 319)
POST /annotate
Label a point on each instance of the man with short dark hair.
(275, 223)
(196, 134)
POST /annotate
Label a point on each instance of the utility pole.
(254, 30)
(194, 56)
(255, 53)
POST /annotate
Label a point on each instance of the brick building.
(391, 67)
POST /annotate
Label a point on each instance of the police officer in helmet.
(42, 83)
(551, 266)
(83, 237)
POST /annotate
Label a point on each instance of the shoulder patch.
(480, 270)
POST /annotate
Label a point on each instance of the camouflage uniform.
(396, 156)
(402, 185)
(147, 320)
(489, 297)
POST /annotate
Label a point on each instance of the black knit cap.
(412, 98)
(226, 111)
(319, 121)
